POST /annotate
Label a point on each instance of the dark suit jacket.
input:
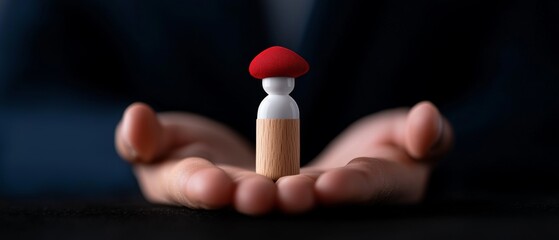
(491, 67)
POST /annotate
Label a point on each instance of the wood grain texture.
(277, 147)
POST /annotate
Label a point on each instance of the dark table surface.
(133, 218)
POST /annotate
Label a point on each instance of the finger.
(367, 180)
(427, 133)
(193, 182)
(254, 194)
(140, 137)
(296, 193)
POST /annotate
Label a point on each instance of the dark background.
(69, 68)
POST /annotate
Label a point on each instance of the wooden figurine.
(277, 123)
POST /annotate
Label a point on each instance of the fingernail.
(132, 153)
(440, 130)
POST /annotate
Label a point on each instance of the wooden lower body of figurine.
(277, 147)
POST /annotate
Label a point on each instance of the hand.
(186, 159)
(385, 157)
(189, 160)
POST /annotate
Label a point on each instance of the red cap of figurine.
(278, 61)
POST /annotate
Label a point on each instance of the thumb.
(428, 134)
(139, 136)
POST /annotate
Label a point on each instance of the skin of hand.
(186, 159)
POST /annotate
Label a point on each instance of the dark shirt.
(69, 68)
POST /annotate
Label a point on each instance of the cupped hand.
(186, 159)
(189, 160)
(385, 157)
